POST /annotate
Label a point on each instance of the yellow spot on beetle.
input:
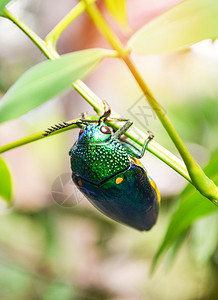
(80, 182)
(119, 180)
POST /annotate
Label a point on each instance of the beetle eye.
(81, 131)
(105, 130)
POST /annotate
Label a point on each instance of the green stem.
(103, 27)
(31, 34)
(153, 147)
(90, 97)
(53, 36)
(34, 137)
(159, 151)
(202, 183)
(52, 54)
(199, 179)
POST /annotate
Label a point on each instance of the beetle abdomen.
(127, 197)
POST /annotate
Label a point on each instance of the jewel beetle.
(107, 170)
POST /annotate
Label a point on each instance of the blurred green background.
(60, 247)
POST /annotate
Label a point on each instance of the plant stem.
(52, 38)
(199, 179)
(52, 54)
(103, 27)
(153, 147)
(31, 34)
(49, 50)
(90, 97)
(34, 137)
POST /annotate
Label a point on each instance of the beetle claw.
(107, 112)
(150, 135)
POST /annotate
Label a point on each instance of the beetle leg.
(83, 115)
(130, 148)
(149, 138)
(106, 114)
(123, 129)
(133, 150)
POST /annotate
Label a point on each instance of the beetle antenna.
(107, 112)
(60, 126)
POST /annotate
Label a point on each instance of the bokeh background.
(53, 243)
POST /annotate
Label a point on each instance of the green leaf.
(3, 3)
(192, 207)
(118, 10)
(184, 24)
(47, 80)
(5, 181)
(204, 238)
(176, 245)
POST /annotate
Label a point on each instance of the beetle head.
(95, 133)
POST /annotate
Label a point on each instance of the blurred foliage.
(42, 257)
(51, 252)
(47, 80)
(192, 206)
(6, 185)
(118, 10)
(2, 5)
(181, 26)
(200, 127)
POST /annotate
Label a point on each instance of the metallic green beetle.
(106, 169)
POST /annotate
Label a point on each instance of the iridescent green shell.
(96, 163)
(112, 180)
